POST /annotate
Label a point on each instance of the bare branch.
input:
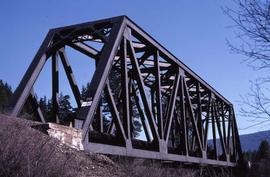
(252, 21)
(256, 104)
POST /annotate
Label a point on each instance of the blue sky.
(194, 31)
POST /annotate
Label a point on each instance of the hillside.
(251, 142)
(27, 152)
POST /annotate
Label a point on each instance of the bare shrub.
(149, 168)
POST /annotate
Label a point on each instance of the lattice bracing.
(136, 80)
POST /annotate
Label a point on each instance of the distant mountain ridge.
(251, 142)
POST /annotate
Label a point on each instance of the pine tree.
(105, 108)
(43, 104)
(260, 167)
(85, 90)
(65, 108)
(5, 95)
(263, 151)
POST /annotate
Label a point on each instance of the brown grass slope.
(27, 152)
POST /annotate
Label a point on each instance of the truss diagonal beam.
(99, 78)
(171, 107)
(114, 110)
(194, 122)
(23, 90)
(70, 76)
(141, 86)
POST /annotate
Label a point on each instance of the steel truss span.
(136, 80)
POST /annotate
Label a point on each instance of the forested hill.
(251, 142)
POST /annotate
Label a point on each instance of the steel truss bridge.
(136, 78)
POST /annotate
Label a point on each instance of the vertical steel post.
(55, 88)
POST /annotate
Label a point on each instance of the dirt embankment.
(27, 152)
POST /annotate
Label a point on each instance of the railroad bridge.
(136, 78)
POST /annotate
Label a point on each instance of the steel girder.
(137, 78)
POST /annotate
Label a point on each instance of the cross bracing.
(136, 78)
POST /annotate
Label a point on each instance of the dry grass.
(26, 152)
(148, 168)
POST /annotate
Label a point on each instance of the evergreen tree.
(263, 151)
(43, 105)
(65, 108)
(260, 166)
(115, 81)
(5, 95)
(85, 90)
(249, 156)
